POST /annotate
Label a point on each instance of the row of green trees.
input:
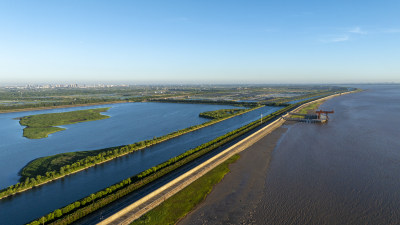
(133, 183)
(52, 104)
(89, 161)
(86, 205)
(283, 100)
(74, 101)
(220, 114)
(216, 102)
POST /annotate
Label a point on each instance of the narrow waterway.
(31, 204)
(128, 123)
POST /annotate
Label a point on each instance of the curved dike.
(39, 201)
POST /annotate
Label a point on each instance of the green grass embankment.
(83, 207)
(309, 109)
(50, 168)
(41, 125)
(221, 113)
(180, 204)
(95, 201)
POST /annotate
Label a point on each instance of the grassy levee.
(311, 107)
(83, 207)
(219, 102)
(308, 109)
(43, 165)
(220, 114)
(212, 102)
(50, 168)
(180, 204)
(41, 125)
(282, 100)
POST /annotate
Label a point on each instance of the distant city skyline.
(186, 42)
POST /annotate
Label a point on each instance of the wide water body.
(344, 172)
(129, 123)
(132, 122)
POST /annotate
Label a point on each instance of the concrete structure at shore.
(317, 117)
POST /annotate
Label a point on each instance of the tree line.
(220, 114)
(28, 181)
(203, 101)
(81, 208)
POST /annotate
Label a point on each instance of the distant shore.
(60, 106)
(235, 198)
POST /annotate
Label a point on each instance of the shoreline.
(223, 195)
(200, 126)
(60, 107)
(245, 181)
(148, 202)
(216, 160)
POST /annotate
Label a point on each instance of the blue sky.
(200, 41)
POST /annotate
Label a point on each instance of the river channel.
(149, 120)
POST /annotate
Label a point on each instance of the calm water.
(129, 123)
(344, 172)
(150, 119)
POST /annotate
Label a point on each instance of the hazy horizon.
(184, 83)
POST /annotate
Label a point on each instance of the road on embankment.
(140, 207)
(158, 191)
(148, 202)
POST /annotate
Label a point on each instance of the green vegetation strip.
(220, 114)
(41, 125)
(216, 102)
(83, 207)
(50, 168)
(177, 206)
(283, 100)
(310, 107)
(307, 109)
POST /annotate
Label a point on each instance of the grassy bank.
(208, 102)
(65, 163)
(41, 125)
(50, 168)
(37, 108)
(43, 165)
(221, 113)
(95, 201)
(311, 107)
(177, 206)
(91, 203)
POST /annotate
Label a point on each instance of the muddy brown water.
(344, 172)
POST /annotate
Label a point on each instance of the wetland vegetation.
(49, 168)
(41, 125)
(29, 97)
(81, 208)
(221, 113)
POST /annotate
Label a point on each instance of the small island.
(41, 125)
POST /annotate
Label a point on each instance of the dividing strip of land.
(145, 204)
